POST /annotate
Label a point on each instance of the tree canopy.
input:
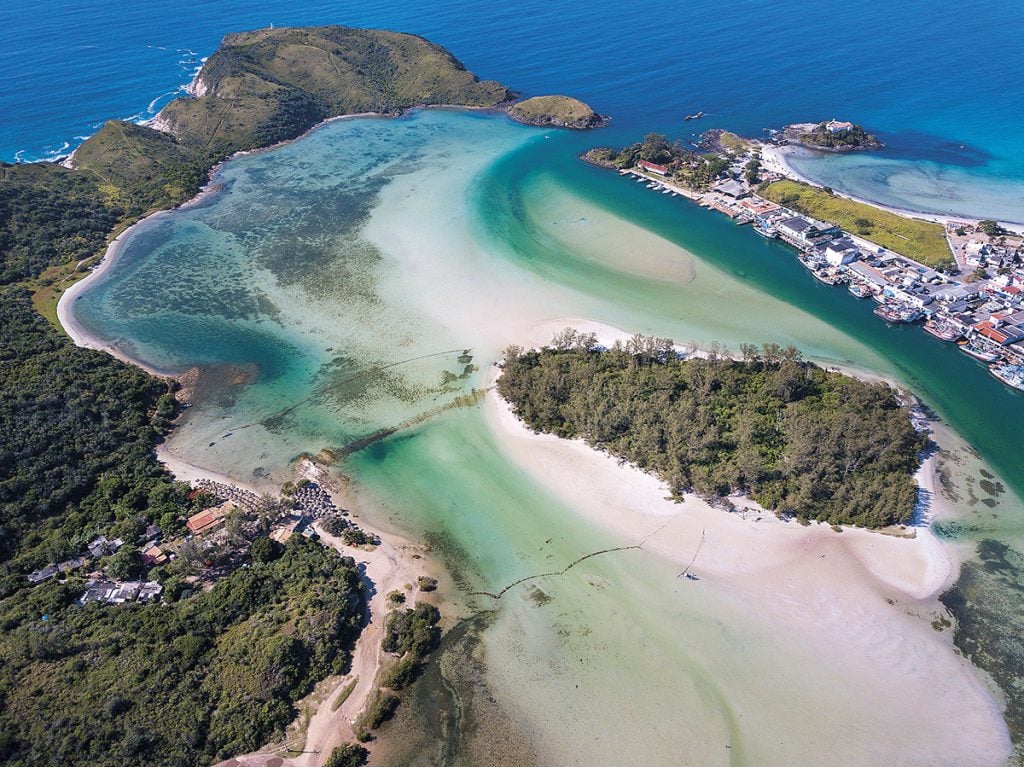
(798, 439)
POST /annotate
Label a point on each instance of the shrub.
(381, 708)
(348, 755)
(426, 583)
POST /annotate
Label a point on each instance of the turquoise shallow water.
(330, 291)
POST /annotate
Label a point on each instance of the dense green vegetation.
(922, 241)
(348, 755)
(272, 84)
(411, 635)
(76, 439)
(695, 170)
(267, 86)
(48, 216)
(800, 440)
(186, 683)
(560, 111)
(140, 169)
(214, 673)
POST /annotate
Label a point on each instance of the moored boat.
(943, 331)
(888, 312)
(859, 289)
(1011, 375)
(978, 353)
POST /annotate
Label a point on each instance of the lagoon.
(330, 286)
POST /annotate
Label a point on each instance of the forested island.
(556, 111)
(206, 674)
(695, 169)
(798, 439)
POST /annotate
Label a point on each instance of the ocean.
(933, 79)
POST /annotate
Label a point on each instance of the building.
(869, 274)
(207, 520)
(100, 546)
(114, 593)
(153, 556)
(38, 576)
(653, 167)
(953, 293)
(835, 126)
(732, 188)
(150, 591)
(803, 231)
(758, 206)
(996, 331)
(841, 252)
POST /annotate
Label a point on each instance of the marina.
(984, 306)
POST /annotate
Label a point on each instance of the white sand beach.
(775, 159)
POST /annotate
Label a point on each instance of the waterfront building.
(653, 167)
(805, 231)
(732, 188)
(869, 274)
(836, 126)
(841, 252)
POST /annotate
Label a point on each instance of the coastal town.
(976, 301)
(214, 541)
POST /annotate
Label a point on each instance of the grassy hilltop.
(270, 85)
(267, 86)
(559, 111)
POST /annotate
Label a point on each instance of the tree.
(263, 550)
(347, 755)
(126, 564)
(798, 439)
(991, 228)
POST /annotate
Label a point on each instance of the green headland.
(557, 111)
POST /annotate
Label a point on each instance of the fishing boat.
(943, 331)
(829, 277)
(894, 313)
(859, 289)
(910, 314)
(771, 234)
(1011, 375)
(888, 313)
(978, 353)
(695, 116)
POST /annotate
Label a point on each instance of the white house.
(841, 252)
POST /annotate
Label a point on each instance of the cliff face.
(557, 111)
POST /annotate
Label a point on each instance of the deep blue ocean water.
(937, 79)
